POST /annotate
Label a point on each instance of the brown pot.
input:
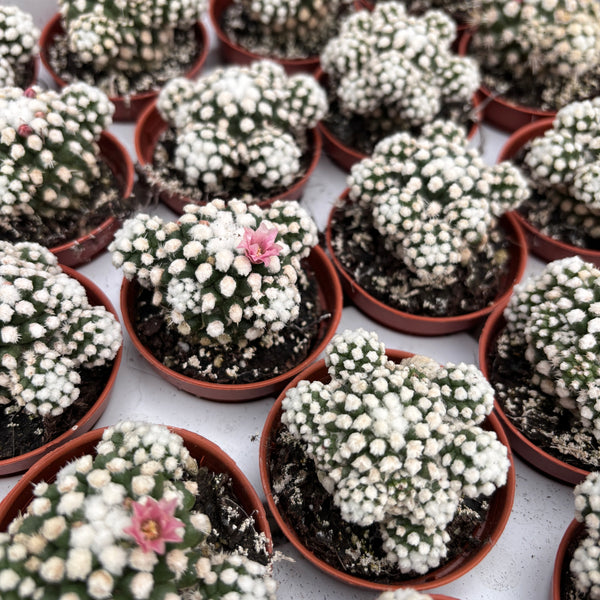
(86, 247)
(233, 53)
(500, 503)
(424, 325)
(573, 531)
(540, 244)
(205, 452)
(330, 294)
(22, 462)
(519, 443)
(126, 108)
(151, 125)
(345, 156)
(498, 111)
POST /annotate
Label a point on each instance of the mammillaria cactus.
(558, 314)
(18, 45)
(241, 130)
(396, 71)
(48, 332)
(124, 523)
(403, 594)
(433, 200)
(547, 51)
(397, 444)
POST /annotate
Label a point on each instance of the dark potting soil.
(183, 53)
(231, 364)
(104, 202)
(309, 510)
(21, 433)
(567, 584)
(162, 176)
(233, 529)
(537, 415)
(361, 251)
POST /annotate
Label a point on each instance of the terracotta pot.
(330, 294)
(205, 452)
(500, 503)
(151, 125)
(574, 531)
(345, 156)
(540, 244)
(498, 111)
(126, 108)
(22, 462)
(424, 325)
(233, 53)
(519, 443)
(86, 247)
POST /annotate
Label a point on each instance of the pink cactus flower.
(259, 245)
(154, 523)
(30, 92)
(24, 130)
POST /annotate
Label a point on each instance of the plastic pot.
(22, 462)
(151, 125)
(330, 294)
(500, 503)
(424, 325)
(573, 532)
(127, 108)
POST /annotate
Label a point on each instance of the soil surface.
(21, 433)
(355, 550)
(534, 413)
(360, 249)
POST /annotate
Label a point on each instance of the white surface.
(518, 567)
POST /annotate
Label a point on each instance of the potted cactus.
(232, 300)
(410, 594)
(535, 56)
(290, 32)
(18, 48)
(372, 462)
(418, 237)
(63, 178)
(540, 354)
(388, 71)
(135, 511)
(560, 159)
(239, 132)
(127, 49)
(61, 344)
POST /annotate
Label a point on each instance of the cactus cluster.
(398, 444)
(558, 314)
(226, 273)
(123, 523)
(241, 129)
(564, 166)
(397, 69)
(18, 45)
(49, 156)
(403, 594)
(548, 47)
(433, 200)
(459, 10)
(48, 332)
(125, 39)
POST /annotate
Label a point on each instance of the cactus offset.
(18, 45)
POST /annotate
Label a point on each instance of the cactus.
(241, 129)
(18, 45)
(396, 71)
(48, 332)
(403, 594)
(433, 200)
(397, 444)
(550, 48)
(123, 523)
(558, 314)
(226, 273)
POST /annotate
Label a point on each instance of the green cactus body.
(211, 287)
(18, 44)
(433, 200)
(81, 536)
(398, 444)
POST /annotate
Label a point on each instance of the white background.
(518, 567)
